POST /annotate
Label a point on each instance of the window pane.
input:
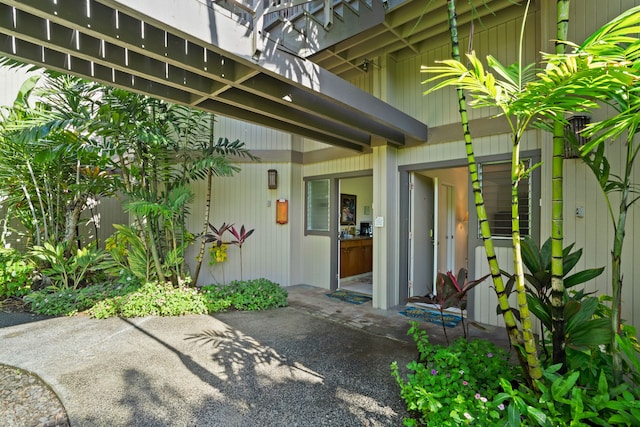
(318, 205)
(495, 179)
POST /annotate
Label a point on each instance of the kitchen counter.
(356, 256)
(357, 238)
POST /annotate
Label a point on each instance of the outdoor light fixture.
(282, 211)
(365, 65)
(574, 134)
(272, 179)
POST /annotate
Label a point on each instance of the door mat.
(449, 320)
(349, 296)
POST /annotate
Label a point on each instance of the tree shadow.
(305, 371)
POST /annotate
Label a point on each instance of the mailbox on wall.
(282, 211)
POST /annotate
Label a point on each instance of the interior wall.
(362, 188)
(458, 179)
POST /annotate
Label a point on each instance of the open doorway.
(355, 239)
(434, 231)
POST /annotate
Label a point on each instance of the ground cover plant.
(132, 299)
(258, 294)
(455, 384)
(15, 272)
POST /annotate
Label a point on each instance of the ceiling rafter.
(409, 28)
(137, 46)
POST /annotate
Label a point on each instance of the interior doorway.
(433, 227)
(355, 235)
(422, 233)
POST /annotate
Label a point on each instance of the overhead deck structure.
(232, 59)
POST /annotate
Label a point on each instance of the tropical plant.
(451, 291)
(453, 385)
(15, 273)
(567, 85)
(52, 165)
(540, 295)
(69, 302)
(560, 400)
(68, 272)
(257, 294)
(128, 252)
(216, 236)
(169, 212)
(489, 91)
(240, 237)
(605, 67)
(215, 163)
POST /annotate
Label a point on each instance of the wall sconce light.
(282, 211)
(365, 65)
(574, 137)
(272, 179)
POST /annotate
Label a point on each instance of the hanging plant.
(218, 254)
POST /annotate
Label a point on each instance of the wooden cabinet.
(356, 256)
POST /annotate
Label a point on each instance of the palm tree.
(61, 159)
(456, 74)
(612, 60)
(604, 69)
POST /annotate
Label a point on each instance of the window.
(317, 206)
(495, 180)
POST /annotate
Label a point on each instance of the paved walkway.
(319, 362)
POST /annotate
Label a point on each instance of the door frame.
(334, 221)
(404, 223)
(422, 225)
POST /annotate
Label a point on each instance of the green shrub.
(453, 385)
(562, 402)
(152, 299)
(15, 272)
(68, 302)
(129, 299)
(69, 271)
(258, 294)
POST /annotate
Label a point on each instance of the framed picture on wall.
(347, 209)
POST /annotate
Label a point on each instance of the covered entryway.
(433, 226)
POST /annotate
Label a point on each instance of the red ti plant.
(240, 237)
(216, 237)
(451, 291)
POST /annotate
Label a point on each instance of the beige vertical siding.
(11, 80)
(244, 199)
(440, 108)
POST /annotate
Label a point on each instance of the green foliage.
(128, 252)
(216, 236)
(453, 385)
(258, 294)
(152, 299)
(68, 272)
(15, 272)
(562, 401)
(130, 299)
(586, 325)
(68, 302)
